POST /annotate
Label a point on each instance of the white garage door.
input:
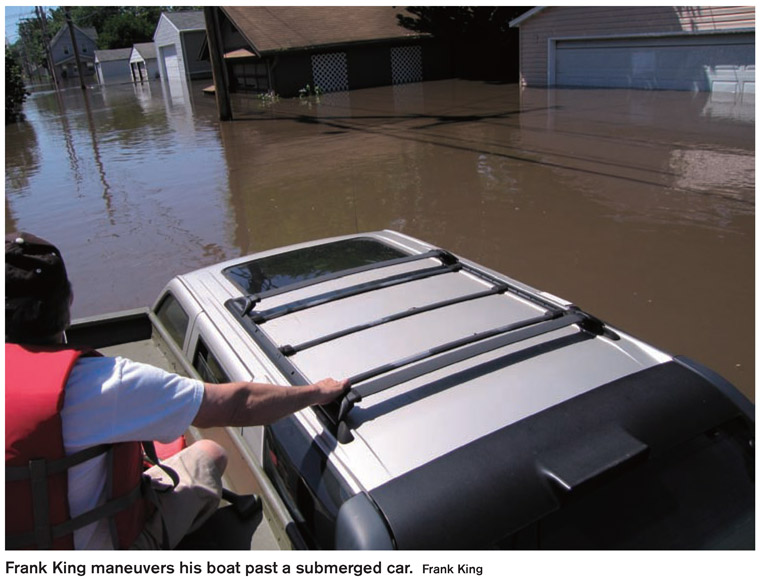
(715, 62)
(171, 62)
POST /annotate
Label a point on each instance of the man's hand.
(329, 389)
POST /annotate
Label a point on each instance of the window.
(311, 262)
(250, 76)
(174, 319)
(208, 366)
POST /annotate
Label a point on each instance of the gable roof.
(145, 49)
(280, 28)
(186, 20)
(91, 33)
(113, 54)
(526, 15)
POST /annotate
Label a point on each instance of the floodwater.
(638, 206)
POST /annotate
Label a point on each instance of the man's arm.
(244, 404)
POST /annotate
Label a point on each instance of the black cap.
(37, 289)
(33, 267)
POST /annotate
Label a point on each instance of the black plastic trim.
(500, 483)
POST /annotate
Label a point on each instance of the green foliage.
(310, 91)
(124, 30)
(268, 98)
(15, 92)
(117, 27)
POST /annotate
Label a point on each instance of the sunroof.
(289, 268)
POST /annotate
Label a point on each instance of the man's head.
(37, 290)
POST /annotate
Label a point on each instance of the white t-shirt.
(112, 400)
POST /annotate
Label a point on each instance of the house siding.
(367, 65)
(552, 23)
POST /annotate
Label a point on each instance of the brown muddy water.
(638, 206)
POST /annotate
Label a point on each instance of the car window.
(174, 318)
(288, 268)
(208, 366)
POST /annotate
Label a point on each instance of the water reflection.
(637, 205)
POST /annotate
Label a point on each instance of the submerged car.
(483, 413)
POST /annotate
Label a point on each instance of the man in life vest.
(73, 467)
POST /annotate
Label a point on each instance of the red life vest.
(36, 489)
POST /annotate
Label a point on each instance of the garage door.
(716, 62)
(171, 62)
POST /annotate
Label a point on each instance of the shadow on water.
(639, 206)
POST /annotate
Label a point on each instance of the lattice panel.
(330, 72)
(406, 64)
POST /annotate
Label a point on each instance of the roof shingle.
(279, 28)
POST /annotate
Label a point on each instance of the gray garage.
(693, 48)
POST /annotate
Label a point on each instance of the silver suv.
(483, 413)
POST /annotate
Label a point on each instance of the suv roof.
(461, 377)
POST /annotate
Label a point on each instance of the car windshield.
(289, 268)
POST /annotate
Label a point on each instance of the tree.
(480, 38)
(117, 27)
(15, 92)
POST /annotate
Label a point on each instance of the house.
(62, 52)
(178, 38)
(112, 66)
(287, 49)
(143, 63)
(697, 48)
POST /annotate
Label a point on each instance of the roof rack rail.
(450, 353)
(356, 289)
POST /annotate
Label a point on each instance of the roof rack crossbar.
(324, 298)
(454, 352)
(290, 350)
(443, 255)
